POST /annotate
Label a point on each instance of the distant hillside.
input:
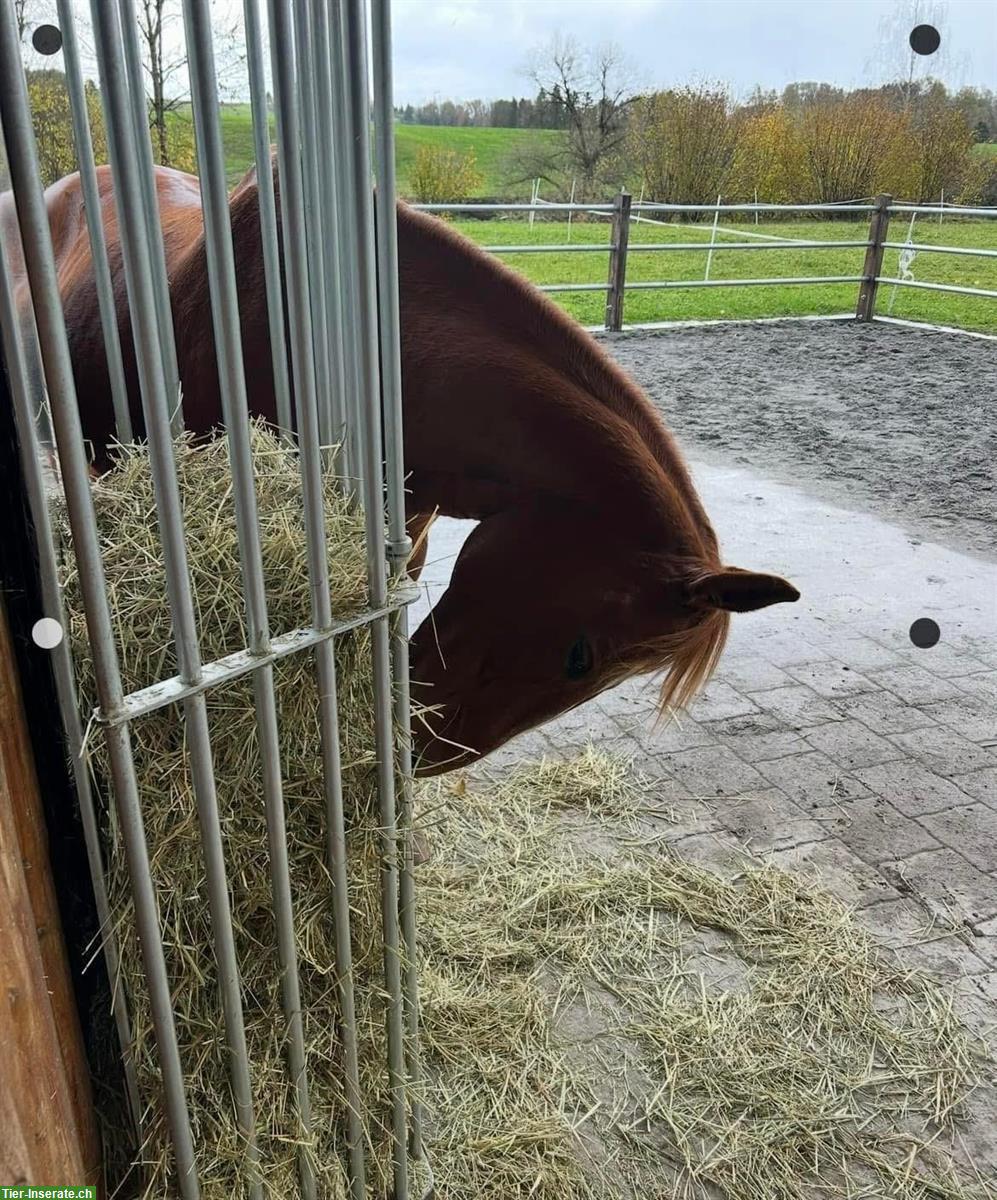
(491, 147)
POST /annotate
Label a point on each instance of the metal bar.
(315, 235)
(141, 277)
(228, 341)
(39, 260)
(95, 226)
(268, 214)
(608, 208)
(971, 250)
(655, 285)
(373, 490)
(242, 662)
(599, 248)
(688, 283)
(62, 664)
(572, 287)
(988, 293)
(326, 147)
(399, 544)
(342, 136)
(299, 311)
(128, 38)
(949, 210)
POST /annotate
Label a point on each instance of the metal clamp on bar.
(398, 551)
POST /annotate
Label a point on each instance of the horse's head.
(545, 610)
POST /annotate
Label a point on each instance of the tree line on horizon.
(810, 143)
(546, 110)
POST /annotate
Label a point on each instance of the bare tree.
(165, 59)
(156, 20)
(593, 91)
(894, 61)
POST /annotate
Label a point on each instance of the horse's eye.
(580, 659)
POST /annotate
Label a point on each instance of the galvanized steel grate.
(341, 296)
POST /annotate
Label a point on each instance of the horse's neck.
(508, 403)
(500, 412)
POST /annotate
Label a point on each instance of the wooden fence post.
(873, 267)
(618, 262)
(48, 1129)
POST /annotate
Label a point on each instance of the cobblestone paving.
(827, 741)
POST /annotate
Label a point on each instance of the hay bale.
(125, 507)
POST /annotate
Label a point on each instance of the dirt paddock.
(884, 418)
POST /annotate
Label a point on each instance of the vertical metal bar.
(62, 666)
(95, 227)
(373, 493)
(141, 278)
(314, 234)
(399, 543)
(40, 264)
(128, 37)
(268, 214)
(35, 372)
(228, 340)
(296, 263)
(346, 207)
(326, 147)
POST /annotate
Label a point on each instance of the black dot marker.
(924, 39)
(47, 39)
(924, 633)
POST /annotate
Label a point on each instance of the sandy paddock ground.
(892, 420)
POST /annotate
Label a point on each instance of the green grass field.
(787, 261)
(491, 147)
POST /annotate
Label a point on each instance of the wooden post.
(878, 227)
(618, 262)
(48, 1131)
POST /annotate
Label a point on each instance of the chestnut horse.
(593, 559)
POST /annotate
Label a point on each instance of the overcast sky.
(466, 49)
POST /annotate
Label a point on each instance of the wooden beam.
(48, 1130)
(879, 226)
(615, 293)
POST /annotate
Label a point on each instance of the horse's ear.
(741, 591)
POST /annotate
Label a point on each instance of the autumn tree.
(439, 175)
(845, 144)
(769, 160)
(52, 119)
(683, 141)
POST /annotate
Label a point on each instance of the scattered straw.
(621, 1024)
(601, 1019)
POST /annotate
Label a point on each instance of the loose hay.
(584, 1038)
(125, 507)
(599, 1023)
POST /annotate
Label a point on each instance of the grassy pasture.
(491, 146)
(786, 261)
